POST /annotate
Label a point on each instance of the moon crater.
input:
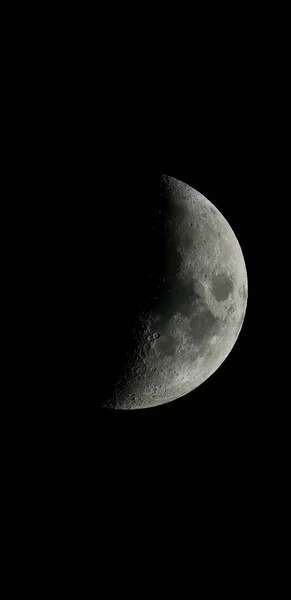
(221, 287)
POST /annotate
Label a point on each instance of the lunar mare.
(188, 330)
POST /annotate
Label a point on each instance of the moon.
(192, 304)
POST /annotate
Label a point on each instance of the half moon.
(191, 324)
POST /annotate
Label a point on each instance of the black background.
(105, 122)
(125, 133)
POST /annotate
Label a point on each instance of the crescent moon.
(192, 323)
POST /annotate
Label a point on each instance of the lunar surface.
(192, 301)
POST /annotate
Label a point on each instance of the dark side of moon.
(188, 301)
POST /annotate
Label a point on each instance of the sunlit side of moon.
(198, 314)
